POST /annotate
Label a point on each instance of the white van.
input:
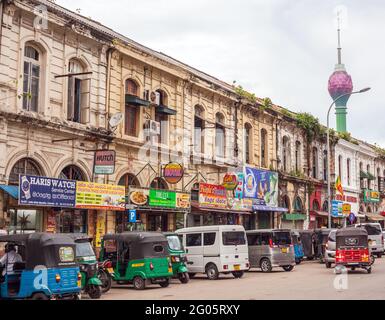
(216, 249)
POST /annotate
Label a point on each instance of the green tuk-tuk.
(178, 257)
(86, 258)
(140, 258)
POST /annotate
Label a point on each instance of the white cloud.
(282, 49)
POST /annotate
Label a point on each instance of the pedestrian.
(10, 258)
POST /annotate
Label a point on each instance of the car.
(376, 237)
(330, 250)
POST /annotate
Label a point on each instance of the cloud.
(282, 49)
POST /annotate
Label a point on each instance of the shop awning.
(374, 217)
(13, 191)
(166, 110)
(134, 100)
(370, 176)
(322, 214)
(363, 175)
(266, 208)
(197, 209)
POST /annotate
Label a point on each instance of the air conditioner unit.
(146, 95)
(153, 127)
(155, 98)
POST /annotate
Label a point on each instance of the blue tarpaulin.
(13, 191)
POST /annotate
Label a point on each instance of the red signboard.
(346, 199)
(212, 196)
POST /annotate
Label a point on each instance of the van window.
(194, 240)
(373, 229)
(234, 238)
(252, 239)
(265, 239)
(281, 238)
(332, 236)
(209, 239)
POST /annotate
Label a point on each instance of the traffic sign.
(132, 216)
(346, 209)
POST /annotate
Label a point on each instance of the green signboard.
(371, 196)
(162, 198)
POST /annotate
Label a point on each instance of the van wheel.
(288, 268)
(379, 255)
(212, 272)
(328, 265)
(139, 283)
(39, 296)
(165, 283)
(266, 265)
(238, 274)
(192, 275)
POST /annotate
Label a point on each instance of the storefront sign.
(346, 209)
(346, 198)
(230, 181)
(51, 222)
(262, 186)
(162, 198)
(212, 196)
(100, 228)
(371, 196)
(159, 198)
(337, 211)
(46, 192)
(100, 196)
(173, 173)
(238, 192)
(104, 162)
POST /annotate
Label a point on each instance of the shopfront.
(155, 210)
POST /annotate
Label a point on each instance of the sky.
(281, 49)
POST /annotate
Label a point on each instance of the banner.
(212, 196)
(100, 196)
(46, 192)
(143, 197)
(262, 186)
(104, 162)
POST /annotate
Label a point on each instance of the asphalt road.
(310, 281)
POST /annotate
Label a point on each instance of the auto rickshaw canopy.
(352, 238)
(44, 249)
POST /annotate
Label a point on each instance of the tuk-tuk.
(352, 249)
(178, 257)
(139, 258)
(47, 268)
(320, 241)
(307, 240)
(86, 258)
(298, 248)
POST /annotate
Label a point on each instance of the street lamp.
(328, 149)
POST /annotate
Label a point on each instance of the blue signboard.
(46, 192)
(132, 216)
(337, 209)
(261, 186)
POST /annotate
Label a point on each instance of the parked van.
(376, 238)
(215, 249)
(271, 248)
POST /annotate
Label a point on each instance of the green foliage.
(380, 151)
(310, 125)
(347, 137)
(297, 174)
(245, 94)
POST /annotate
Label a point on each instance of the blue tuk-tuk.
(298, 248)
(39, 266)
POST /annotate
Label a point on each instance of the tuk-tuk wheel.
(139, 283)
(298, 261)
(369, 270)
(192, 275)
(328, 265)
(165, 283)
(379, 255)
(184, 277)
(288, 268)
(39, 296)
(238, 274)
(95, 292)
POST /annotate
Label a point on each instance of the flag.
(339, 186)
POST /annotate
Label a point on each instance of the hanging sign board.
(104, 162)
(173, 173)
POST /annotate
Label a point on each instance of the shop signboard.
(104, 162)
(142, 197)
(371, 196)
(46, 192)
(100, 196)
(261, 186)
(337, 209)
(230, 181)
(162, 198)
(212, 196)
(100, 229)
(238, 192)
(173, 173)
(346, 209)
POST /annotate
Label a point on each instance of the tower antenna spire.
(339, 38)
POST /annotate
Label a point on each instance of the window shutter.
(71, 99)
(85, 89)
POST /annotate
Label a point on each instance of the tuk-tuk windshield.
(332, 236)
(84, 249)
(373, 229)
(174, 243)
(234, 238)
(281, 238)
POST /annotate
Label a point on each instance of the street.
(310, 280)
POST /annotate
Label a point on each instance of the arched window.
(128, 180)
(78, 108)
(286, 154)
(264, 148)
(340, 173)
(315, 163)
(325, 206)
(199, 125)
(298, 207)
(369, 180)
(31, 81)
(72, 173)
(286, 202)
(220, 136)
(24, 166)
(162, 117)
(247, 143)
(316, 205)
(298, 156)
(325, 165)
(159, 183)
(349, 170)
(379, 180)
(369, 210)
(362, 182)
(131, 112)
(362, 209)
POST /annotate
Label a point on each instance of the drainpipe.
(108, 85)
(2, 6)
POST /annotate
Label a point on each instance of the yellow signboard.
(100, 196)
(100, 229)
(346, 209)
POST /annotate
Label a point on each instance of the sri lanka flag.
(339, 186)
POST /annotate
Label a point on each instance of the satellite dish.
(116, 119)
